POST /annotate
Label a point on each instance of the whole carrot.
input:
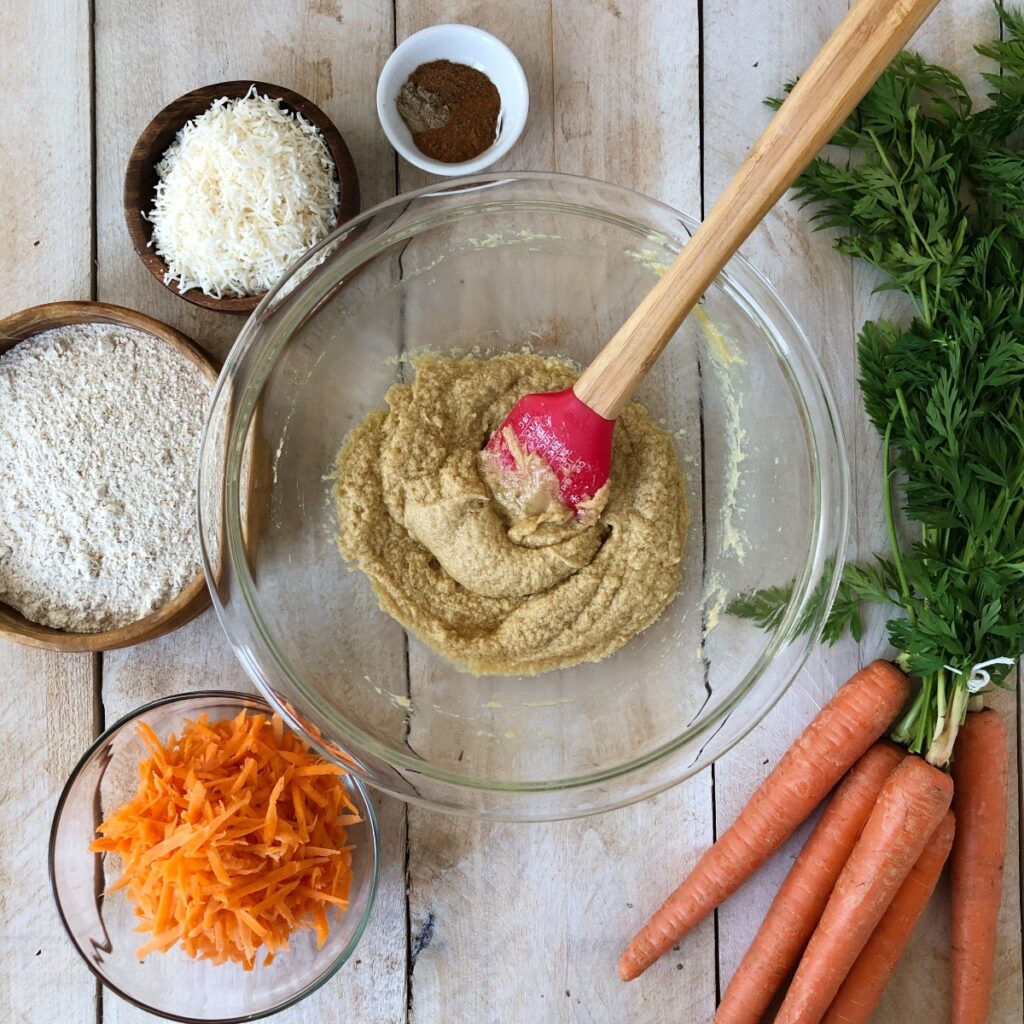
(909, 808)
(859, 994)
(855, 717)
(980, 774)
(800, 901)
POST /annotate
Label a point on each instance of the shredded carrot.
(235, 838)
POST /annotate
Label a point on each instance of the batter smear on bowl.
(505, 583)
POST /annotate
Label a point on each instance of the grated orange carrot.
(235, 838)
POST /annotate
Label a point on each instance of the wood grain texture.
(46, 227)
(140, 177)
(506, 923)
(47, 725)
(524, 923)
(45, 245)
(330, 53)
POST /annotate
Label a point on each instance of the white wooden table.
(475, 922)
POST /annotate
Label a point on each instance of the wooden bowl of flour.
(194, 598)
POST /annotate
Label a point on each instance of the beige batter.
(499, 587)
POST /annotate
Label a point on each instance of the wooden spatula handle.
(869, 37)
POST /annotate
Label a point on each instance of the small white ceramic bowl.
(461, 44)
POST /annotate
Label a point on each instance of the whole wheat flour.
(99, 440)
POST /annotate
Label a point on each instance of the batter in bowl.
(499, 583)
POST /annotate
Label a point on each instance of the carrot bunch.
(234, 839)
(848, 907)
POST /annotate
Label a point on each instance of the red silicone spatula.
(572, 429)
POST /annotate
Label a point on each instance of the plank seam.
(98, 711)
(703, 487)
(409, 960)
(700, 101)
(406, 879)
(554, 125)
(93, 225)
(394, 46)
(98, 726)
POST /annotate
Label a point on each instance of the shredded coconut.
(99, 440)
(242, 192)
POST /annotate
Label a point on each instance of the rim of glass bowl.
(800, 366)
(241, 700)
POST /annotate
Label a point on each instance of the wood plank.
(748, 53)
(525, 922)
(45, 144)
(45, 250)
(330, 53)
(48, 723)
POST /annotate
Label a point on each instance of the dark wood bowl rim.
(140, 174)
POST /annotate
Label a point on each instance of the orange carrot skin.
(800, 901)
(860, 993)
(980, 772)
(857, 715)
(913, 801)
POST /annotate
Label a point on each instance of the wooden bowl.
(140, 177)
(195, 597)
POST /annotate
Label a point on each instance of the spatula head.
(574, 440)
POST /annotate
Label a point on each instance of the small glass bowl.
(171, 984)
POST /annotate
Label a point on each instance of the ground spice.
(421, 110)
(451, 110)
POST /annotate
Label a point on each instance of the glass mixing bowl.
(495, 263)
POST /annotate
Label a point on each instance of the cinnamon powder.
(462, 102)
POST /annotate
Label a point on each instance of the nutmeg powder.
(473, 103)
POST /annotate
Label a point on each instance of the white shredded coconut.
(99, 440)
(242, 192)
